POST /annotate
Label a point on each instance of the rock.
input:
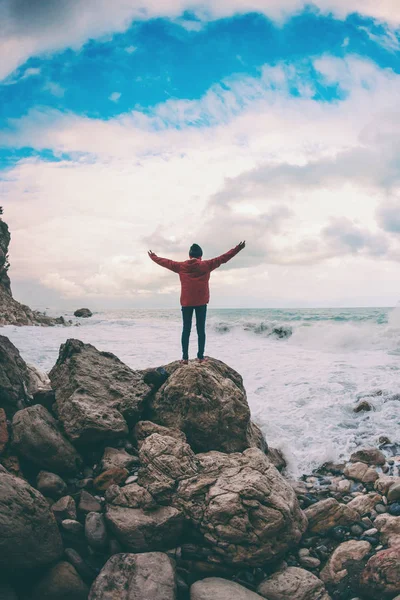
(363, 406)
(327, 514)
(50, 484)
(85, 571)
(97, 395)
(239, 503)
(394, 492)
(309, 562)
(276, 457)
(64, 508)
(95, 531)
(385, 482)
(208, 403)
(347, 553)
(130, 496)
(394, 509)
(36, 436)
(87, 503)
(29, 534)
(149, 576)
(215, 588)
(62, 582)
(144, 429)
(83, 313)
(7, 592)
(113, 457)
(14, 378)
(361, 472)
(115, 475)
(140, 531)
(293, 583)
(3, 430)
(381, 575)
(370, 456)
(365, 503)
(72, 526)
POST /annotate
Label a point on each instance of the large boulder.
(14, 378)
(293, 583)
(346, 554)
(207, 401)
(381, 576)
(62, 582)
(245, 511)
(36, 436)
(29, 533)
(215, 588)
(97, 395)
(325, 514)
(144, 531)
(149, 576)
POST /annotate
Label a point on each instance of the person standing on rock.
(195, 293)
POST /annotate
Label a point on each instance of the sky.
(130, 125)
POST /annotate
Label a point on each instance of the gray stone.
(95, 531)
(328, 513)
(293, 583)
(208, 403)
(64, 508)
(36, 436)
(345, 554)
(87, 503)
(147, 576)
(360, 471)
(120, 458)
(84, 313)
(29, 533)
(97, 395)
(72, 526)
(62, 582)
(215, 588)
(370, 456)
(394, 493)
(85, 571)
(50, 484)
(14, 377)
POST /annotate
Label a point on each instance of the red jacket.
(194, 275)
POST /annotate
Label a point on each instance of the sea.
(304, 370)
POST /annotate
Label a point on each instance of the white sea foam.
(301, 389)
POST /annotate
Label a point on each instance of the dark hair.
(195, 251)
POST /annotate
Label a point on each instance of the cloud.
(115, 96)
(388, 216)
(36, 27)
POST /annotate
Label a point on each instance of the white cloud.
(35, 27)
(115, 96)
(304, 182)
(55, 89)
(130, 49)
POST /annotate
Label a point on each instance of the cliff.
(11, 311)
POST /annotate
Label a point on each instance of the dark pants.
(187, 314)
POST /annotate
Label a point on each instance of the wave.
(262, 328)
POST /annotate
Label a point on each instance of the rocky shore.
(156, 485)
(11, 311)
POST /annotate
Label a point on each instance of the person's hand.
(242, 245)
(151, 253)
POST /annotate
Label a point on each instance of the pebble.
(372, 531)
(394, 509)
(131, 479)
(310, 562)
(339, 533)
(374, 541)
(357, 530)
(394, 493)
(380, 509)
(72, 526)
(95, 531)
(304, 552)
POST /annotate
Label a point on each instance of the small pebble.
(304, 552)
(357, 530)
(310, 562)
(131, 479)
(339, 533)
(394, 509)
(374, 541)
(372, 531)
(72, 526)
(380, 509)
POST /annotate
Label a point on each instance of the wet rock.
(50, 484)
(347, 553)
(208, 403)
(140, 531)
(29, 534)
(130, 496)
(370, 456)
(97, 395)
(277, 458)
(309, 562)
(64, 508)
(293, 583)
(62, 582)
(144, 429)
(115, 475)
(239, 503)
(216, 588)
(363, 406)
(366, 503)
(84, 313)
(326, 514)
(3, 430)
(381, 575)
(361, 472)
(72, 526)
(118, 458)
(389, 528)
(394, 492)
(394, 509)
(87, 503)
(14, 378)
(95, 531)
(385, 482)
(147, 576)
(36, 436)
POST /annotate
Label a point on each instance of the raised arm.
(172, 265)
(214, 263)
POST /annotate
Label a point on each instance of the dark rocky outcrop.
(84, 313)
(14, 378)
(97, 395)
(11, 311)
(29, 535)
